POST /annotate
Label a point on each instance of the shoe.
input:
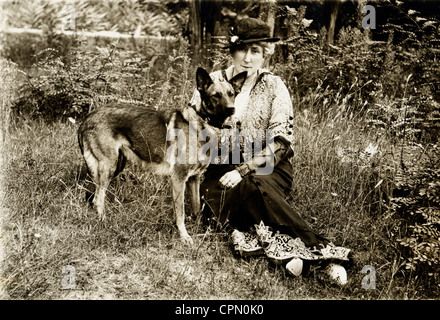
(337, 273)
(246, 243)
(295, 267)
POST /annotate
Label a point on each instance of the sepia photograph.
(240, 152)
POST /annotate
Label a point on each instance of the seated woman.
(249, 196)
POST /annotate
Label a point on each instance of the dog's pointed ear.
(238, 81)
(203, 79)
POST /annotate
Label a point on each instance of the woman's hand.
(230, 179)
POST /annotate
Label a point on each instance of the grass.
(137, 254)
(47, 224)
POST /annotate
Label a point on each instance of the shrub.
(9, 78)
(62, 86)
(151, 18)
(416, 202)
(125, 16)
(59, 89)
(391, 88)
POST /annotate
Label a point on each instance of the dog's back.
(108, 131)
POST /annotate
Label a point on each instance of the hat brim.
(251, 41)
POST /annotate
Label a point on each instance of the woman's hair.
(268, 47)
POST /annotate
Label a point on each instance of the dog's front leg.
(179, 209)
(194, 190)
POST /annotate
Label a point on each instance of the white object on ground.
(337, 273)
(295, 267)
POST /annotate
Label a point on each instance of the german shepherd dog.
(115, 133)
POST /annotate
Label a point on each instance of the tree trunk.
(267, 13)
(271, 17)
(202, 21)
(195, 29)
(210, 14)
(332, 24)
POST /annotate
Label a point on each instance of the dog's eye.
(217, 95)
(231, 93)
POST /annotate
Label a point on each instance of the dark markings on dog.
(113, 134)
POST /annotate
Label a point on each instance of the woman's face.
(248, 58)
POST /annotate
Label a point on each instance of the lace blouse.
(268, 110)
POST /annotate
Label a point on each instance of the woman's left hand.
(230, 179)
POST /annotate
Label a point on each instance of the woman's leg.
(257, 198)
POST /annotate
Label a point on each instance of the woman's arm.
(281, 127)
(279, 150)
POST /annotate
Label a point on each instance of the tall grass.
(8, 79)
(341, 189)
(351, 141)
(137, 253)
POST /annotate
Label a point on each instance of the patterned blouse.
(269, 109)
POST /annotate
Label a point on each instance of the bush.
(366, 120)
(62, 86)
(9, 78)
(125, 16)
(59, 89)
(151, 18)
(416, 202)
(391, 88)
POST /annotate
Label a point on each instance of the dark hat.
(249, 30)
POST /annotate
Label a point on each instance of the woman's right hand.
(230, 179)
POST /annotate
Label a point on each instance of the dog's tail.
(126, 153)
(80, 139)
(122, 161)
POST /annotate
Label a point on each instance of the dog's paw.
(187, 240)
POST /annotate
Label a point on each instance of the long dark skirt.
(256, 198)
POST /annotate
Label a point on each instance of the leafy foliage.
(367, 114)
(125, 16)
(364, 70)
(391, 88)
(416, 202)
(72, 85)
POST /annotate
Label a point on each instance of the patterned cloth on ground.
(281, 247)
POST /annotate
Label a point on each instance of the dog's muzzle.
(230, 111)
